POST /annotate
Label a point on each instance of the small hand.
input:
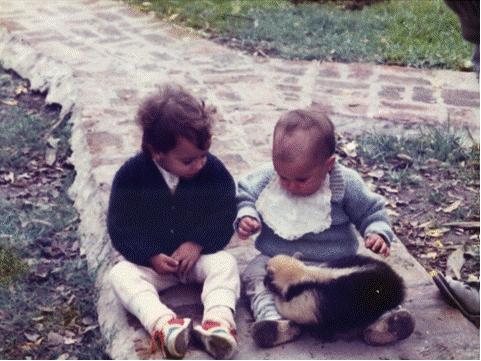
(377, 244)
(186, 255)
(247, 226)
(163, 264)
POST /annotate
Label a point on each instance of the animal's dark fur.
(348, 302)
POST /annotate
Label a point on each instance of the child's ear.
(156, 156)
(330, 162)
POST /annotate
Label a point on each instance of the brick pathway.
(98, 58)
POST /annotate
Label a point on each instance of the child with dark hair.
(309, 204)
(170, 215)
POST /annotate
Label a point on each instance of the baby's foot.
(218, 340)
(393, 326)
(268, 333)
(173, 337)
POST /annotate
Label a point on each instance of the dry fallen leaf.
(438, 244)
(455, 205)
(21, 90)
(392, 213)
(350, 149)
(32, 337)
(461, 224)
(11, 102)
(436, 232)
(376, 173)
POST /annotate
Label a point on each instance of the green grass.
(12, 267)
(451, 148)
(37, 217)
(417, 33)
(445, 144)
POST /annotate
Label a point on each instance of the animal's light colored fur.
(287, 271)
(301, 309)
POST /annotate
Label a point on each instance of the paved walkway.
(98, 58)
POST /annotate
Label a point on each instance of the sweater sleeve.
(365, 208)
(213, 230)
(250, 187)
(124, 223)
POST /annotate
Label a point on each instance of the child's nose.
(199, 163)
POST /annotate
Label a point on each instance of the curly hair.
(170, 113)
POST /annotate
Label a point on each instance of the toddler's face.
(185, 160)
(302, 178)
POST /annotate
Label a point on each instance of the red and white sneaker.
(219, 341)
(173, 337)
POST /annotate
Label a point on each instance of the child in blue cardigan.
(308, 204)
(170, 215)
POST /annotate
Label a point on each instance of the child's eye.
(187, 162)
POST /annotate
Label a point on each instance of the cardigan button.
(173, 208)
(172, 231)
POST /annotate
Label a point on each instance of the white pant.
(137, 287)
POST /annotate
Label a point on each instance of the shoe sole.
(217, 346)
(269, 333)
(399, 326)
(452, 298)
(182, 342)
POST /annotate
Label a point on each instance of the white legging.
(137, 287)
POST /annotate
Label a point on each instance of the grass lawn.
(417, 33)
(47, 297)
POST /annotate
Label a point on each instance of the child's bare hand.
(247, 227)
(163, 264)
(377, 244)
(187, 254)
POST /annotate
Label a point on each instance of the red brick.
(329, 71)
(360, 71)
(98, 141)
(223, 79)
(109, 16)
(290, 70)
(391, 92)
(109, 30)
(403, 80)
(156, 38)
(287, 87)
(406, 117)
(459, 97)
(228, 95)
(424, 95)
(459, 115)
(404, 106)
(11, 25)
(340, 84)
(84, 33)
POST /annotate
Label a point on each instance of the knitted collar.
(336, 183)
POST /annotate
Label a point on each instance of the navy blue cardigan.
(144, 218)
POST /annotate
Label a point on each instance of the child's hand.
(187, 254)
(377, 244)
(247, 226)
(163, 264)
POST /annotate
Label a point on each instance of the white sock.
(222, 314)
(150, 311)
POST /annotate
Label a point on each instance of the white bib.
(291, 217)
